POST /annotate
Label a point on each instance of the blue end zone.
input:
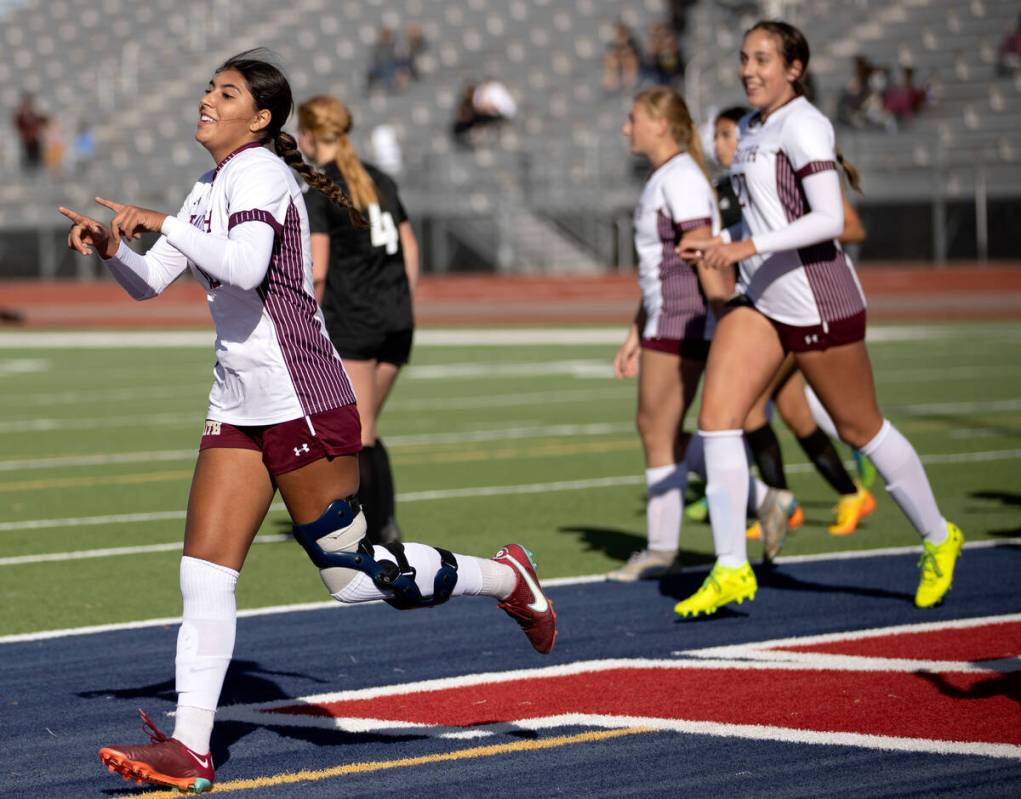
(64, 698)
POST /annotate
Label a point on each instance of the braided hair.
(272, 92)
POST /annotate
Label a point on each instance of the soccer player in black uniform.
(365, 276)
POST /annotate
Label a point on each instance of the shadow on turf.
(1005, 498)
(679, 585)
(1007, 685)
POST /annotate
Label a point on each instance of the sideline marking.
(555, 582)
(289, 778)
(481, 491)
(438, 337)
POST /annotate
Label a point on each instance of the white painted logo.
(202, 761)
(301, 449)
(539, 603)
(212, 428)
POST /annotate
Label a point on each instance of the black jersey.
(367, 289)
(730, 206)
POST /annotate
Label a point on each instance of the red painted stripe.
(972, 707)
(968, 645)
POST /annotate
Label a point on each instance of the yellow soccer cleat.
(723, 586)
(851, 509)
(937, 565)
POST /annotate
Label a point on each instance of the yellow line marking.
(383, 765)
(463, 456)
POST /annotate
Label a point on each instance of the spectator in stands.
(84, 149)
(386, 149)
(622, 59)
(30, 124)
(408, 53)
(383, 61)
(851, 104)
(663, 62)
(1008, 59)
(464, 115)
(493, 102)
(905, 99)
(54, 147)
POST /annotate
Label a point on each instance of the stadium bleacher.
(134, 71)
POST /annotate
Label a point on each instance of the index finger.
(113, 206)
(74, 216)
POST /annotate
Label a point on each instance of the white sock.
(898, 464)
(475, 576)
(820, 414)
(664, 504)
(205, 645)
(727, 493)
(756, 493)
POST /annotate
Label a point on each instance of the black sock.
(384, 482)
(766, 452)
(368, 490)
(819, 448)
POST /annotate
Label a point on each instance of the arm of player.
(240, 260)
(717, 285)
(142, 276)
(409, 246)
(320, 263)
(625, 362)
(823, 223)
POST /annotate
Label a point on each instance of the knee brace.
(336, 544)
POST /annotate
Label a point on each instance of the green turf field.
(489, 444)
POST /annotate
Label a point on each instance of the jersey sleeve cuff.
(254, 215)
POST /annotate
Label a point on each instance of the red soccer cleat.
(165, 761)
(527, 604)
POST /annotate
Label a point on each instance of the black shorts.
(390, 347)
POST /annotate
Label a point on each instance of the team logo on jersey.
(300, 450)
(863, 689)
(212, 428)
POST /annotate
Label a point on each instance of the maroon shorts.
(695, 349)
(289, 445)
(821, 336)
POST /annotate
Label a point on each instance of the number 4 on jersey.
(382, 229)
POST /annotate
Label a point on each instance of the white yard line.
(481, 491)
(427, 337)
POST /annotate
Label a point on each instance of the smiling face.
(724, 141)
(645, 133)
(768, 80)
(228, 117)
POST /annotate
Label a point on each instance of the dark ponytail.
(272, 92)
(793, 47)
(851, 171)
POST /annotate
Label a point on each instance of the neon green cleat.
(697, 511)
(866, 471)
(937, 565)
(723, 586)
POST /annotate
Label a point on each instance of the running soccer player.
(668, 340)
(281, 416)
(364, 277)
(787, 392)
(799, 294)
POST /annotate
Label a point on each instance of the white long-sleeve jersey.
(785, 175)
(676, 198)
(243, 232)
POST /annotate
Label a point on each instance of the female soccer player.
(364, 277)
(281, 411)
(799, 294)
(787, 391)
(667, 342)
